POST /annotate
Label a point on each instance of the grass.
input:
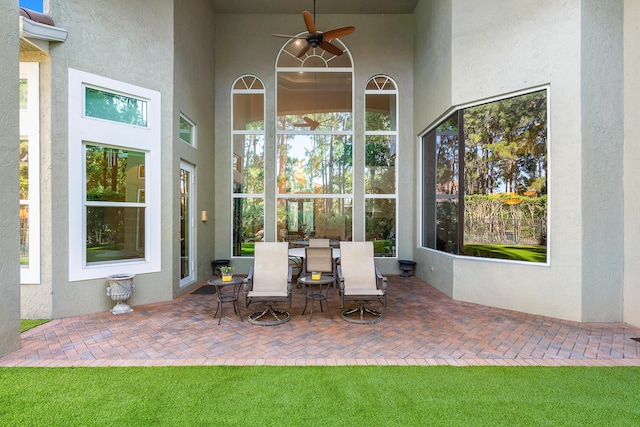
(26, 324)
(320, 396)
(512, 252)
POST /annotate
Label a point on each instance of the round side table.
(313, 294)
(223, 297)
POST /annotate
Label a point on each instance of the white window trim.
(30, 128)
(194, 131)
(103, 132)
(192, 223)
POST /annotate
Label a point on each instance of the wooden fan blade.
(308, 22)
(287, 36)
(337, 33)
(330, 48)
(303, 51)
(309, 121)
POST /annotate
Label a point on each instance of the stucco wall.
(602, 114)
(194, 92)
(381, 44)
(9, 217)
(498, 48)
(631, 161)
(432, 98)
(127, 41)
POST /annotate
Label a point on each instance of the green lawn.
(320, 396)
(26, 324)
(511, 252)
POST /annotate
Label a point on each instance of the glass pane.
(186, 131)
(248, 83)
(381, 112)
(114, 107)
(24, 169)
(114, 233)
(381, 83)
(506, 178)
(24, 235)
(185, 220)
(380, 226)
(380, 165)
(303, 218)
(248, 111)
(114, 175)
(24, 94)
(315, 164)
(447, 224)
(315, 101)
(248, 167)
(248, 225)
(314, 57)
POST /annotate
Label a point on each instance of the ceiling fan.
(317, 38)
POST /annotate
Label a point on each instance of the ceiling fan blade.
(288, 36)
(337, 33)
(308, 22)
(303, 51)
(330, 48)
(309, 121)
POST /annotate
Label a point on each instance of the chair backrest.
(270, 266)
(314, 243)
(319, 259)
(357, 265)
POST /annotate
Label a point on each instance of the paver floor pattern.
(421, 326)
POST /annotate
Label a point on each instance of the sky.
(32, 4)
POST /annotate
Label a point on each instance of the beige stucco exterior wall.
(631, 161)
(140, 54)
(498, 48)
(194, 91)
(381, 44)
(9, 216)
(432, 98)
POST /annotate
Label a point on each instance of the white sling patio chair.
(269, 281)
(360, 281)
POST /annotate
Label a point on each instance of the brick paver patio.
(421, 326)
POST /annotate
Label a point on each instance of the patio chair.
(360, 281)
(269, 281)
(314, 243)
(320, 259)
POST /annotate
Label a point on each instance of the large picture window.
(381, 136)
(248, 151)
(485, 180)
(314, 145)
(114, 177)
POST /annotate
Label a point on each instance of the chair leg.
(363, 315)
(278, 316)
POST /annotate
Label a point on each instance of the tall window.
(381, 135)
(29, 172)
(314, 144)
(485, 180)
(248, 132)
(187, 224)
(114, 177)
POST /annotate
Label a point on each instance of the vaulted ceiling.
(375, 7)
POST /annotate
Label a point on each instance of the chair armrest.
(381, 280)
(290, 274)
(340, 277)
(248, 281)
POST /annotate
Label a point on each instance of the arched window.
(381, 137)
(248, 133)
(314, 143)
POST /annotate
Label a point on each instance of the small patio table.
(223, 297)
(315, 294)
